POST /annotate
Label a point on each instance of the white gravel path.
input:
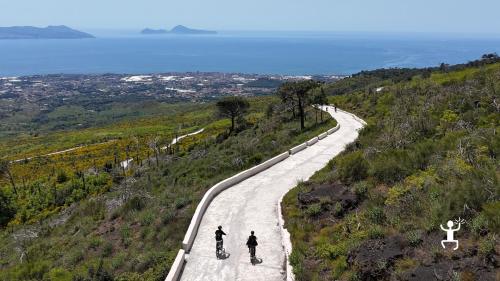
(252, 205)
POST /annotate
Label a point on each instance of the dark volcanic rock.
(374, 258)
(334, 193)
(468, 268)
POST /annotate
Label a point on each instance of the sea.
(287, 53)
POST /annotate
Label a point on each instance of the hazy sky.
(468, 16)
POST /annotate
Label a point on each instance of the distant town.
(47, 91)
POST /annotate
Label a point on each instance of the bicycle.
(219, 250)
(252, 255)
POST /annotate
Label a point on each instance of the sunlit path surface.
(252, 205)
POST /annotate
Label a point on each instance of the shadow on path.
(223, 256)
(256, 260)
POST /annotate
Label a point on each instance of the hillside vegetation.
(41, 185)
(92, 220)
(429, 154)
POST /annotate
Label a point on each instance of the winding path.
(125, 163)
(252, 205)
(58, 152)
(176, 140)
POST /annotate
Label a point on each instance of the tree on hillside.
(7, 211)
(287, 99)
(81, 175)
(320, 99)
(232, 107)
(137, 144)
(490, 56)
(443, 67)
(296, 95)
(153, 144)
(6, 172)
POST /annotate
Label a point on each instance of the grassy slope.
(136, 227)
(173, 117)
(99, 146)
(429, 154)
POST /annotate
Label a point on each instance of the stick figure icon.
(450, 234)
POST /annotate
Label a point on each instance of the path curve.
(59, 152)
(176, 140)
(126, 163)
(251, 205)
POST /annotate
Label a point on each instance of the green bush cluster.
(40, 199)
(352, 167)
(128, 226)
(429, 153)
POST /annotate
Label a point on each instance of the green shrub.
(60, 274)
(32, 270)
(391, 166)
(181, 202)
(7, 209)
(352, 167)
(147, 218)
(313, 210)
(126, 235)
(375, 215)
(93, 208)
(75, 256)
(339, 266)
(338, 249)
(136, 203)
(376, 232)
(491, 211)
(414, 237)
(168, 217)
(396, 193)
(99, 273)
(487, 244)
(61, 176)
(361, 189)
(255, 159)
(479, 224)
(95, 242)
(118, 261)
(404, 265)
(107, 250)
(296, 261)
(448, 119)
(337, 209)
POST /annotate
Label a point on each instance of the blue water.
(246, 52)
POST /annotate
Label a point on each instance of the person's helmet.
(220, 227)
(252, 232)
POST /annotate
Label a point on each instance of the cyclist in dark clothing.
(252, 243)
(219, 241)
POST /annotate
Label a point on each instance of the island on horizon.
(179, 29)
(49, 32)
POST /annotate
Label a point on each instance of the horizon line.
(399, 32)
